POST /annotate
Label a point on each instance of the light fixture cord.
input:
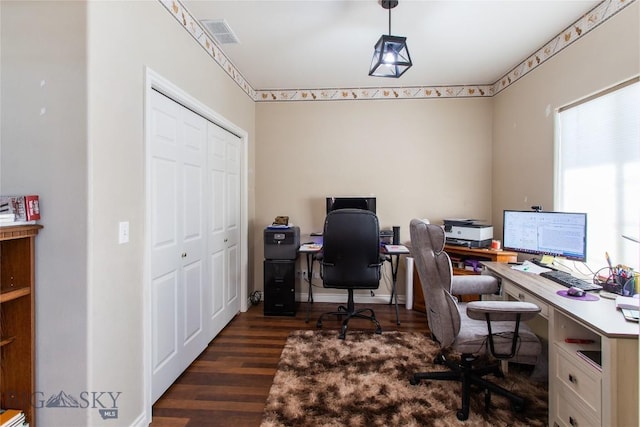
(389, 20)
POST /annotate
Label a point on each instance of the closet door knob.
(183, 254)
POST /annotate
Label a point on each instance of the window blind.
(598, 171)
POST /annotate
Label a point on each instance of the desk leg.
(310, 282)
(394, 280)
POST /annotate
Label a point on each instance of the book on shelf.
(11, 418)
(7, 217)
(19, 210)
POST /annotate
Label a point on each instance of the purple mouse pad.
(586, 297)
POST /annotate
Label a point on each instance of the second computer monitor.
(354, 202)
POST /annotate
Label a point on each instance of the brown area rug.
(364, 381)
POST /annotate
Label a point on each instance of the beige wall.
(523, 118)
(431, 158)
(44, 152)
(85, 157)
(146, 36)
(420, 158)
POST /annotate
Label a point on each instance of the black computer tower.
(279, 287)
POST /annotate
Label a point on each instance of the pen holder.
(614, 283)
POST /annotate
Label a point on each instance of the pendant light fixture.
(391, 56)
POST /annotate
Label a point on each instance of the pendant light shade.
(390, 56)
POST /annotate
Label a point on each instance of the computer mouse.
(575, 292)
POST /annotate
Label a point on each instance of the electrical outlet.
(123, 232)
(316, 275)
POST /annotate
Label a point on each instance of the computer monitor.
(561, 234)
(366, 203)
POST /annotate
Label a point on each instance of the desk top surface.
(601, 316)
(386, 249)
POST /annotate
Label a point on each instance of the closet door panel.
(192, 310)
(165, 333)
(217, 279)
(195, 248)
(177, 259)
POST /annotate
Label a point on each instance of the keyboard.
(568, 281)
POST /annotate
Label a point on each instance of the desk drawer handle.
(573, 422)
(573, 379)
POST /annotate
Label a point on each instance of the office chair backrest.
(351, 249)
(434, 269)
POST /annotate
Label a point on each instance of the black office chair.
(350, 259)
(493, 328)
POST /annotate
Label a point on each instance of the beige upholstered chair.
(471, 329)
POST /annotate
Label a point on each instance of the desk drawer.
(570, 412)
(579, 379)
(521, 295)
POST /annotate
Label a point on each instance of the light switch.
(123, 232)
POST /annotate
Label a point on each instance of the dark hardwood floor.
(229, 382)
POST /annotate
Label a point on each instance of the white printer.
(468, 232)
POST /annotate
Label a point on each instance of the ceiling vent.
(220, 31)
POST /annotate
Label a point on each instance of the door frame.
(154, 81)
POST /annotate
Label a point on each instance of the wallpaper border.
(568, 36)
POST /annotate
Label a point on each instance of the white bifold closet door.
(223, 226)
(194, 220)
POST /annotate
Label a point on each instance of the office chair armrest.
(502, 310)
(491, 311)
(474, 285)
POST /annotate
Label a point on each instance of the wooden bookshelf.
(17, 318)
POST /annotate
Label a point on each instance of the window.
(598, 171)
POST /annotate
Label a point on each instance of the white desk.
(579, 393)
(309, 249)
(394, 252)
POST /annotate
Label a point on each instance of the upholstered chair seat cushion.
(472, 338)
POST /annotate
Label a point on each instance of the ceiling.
(316, 44)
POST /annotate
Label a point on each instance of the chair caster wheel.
(378, 330)
(487, 400)
(461, 415)
(343, 332)
(439, 360)
(517, 407)
(414, 381)
(319, 324)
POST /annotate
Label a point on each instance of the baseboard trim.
(342, 298)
